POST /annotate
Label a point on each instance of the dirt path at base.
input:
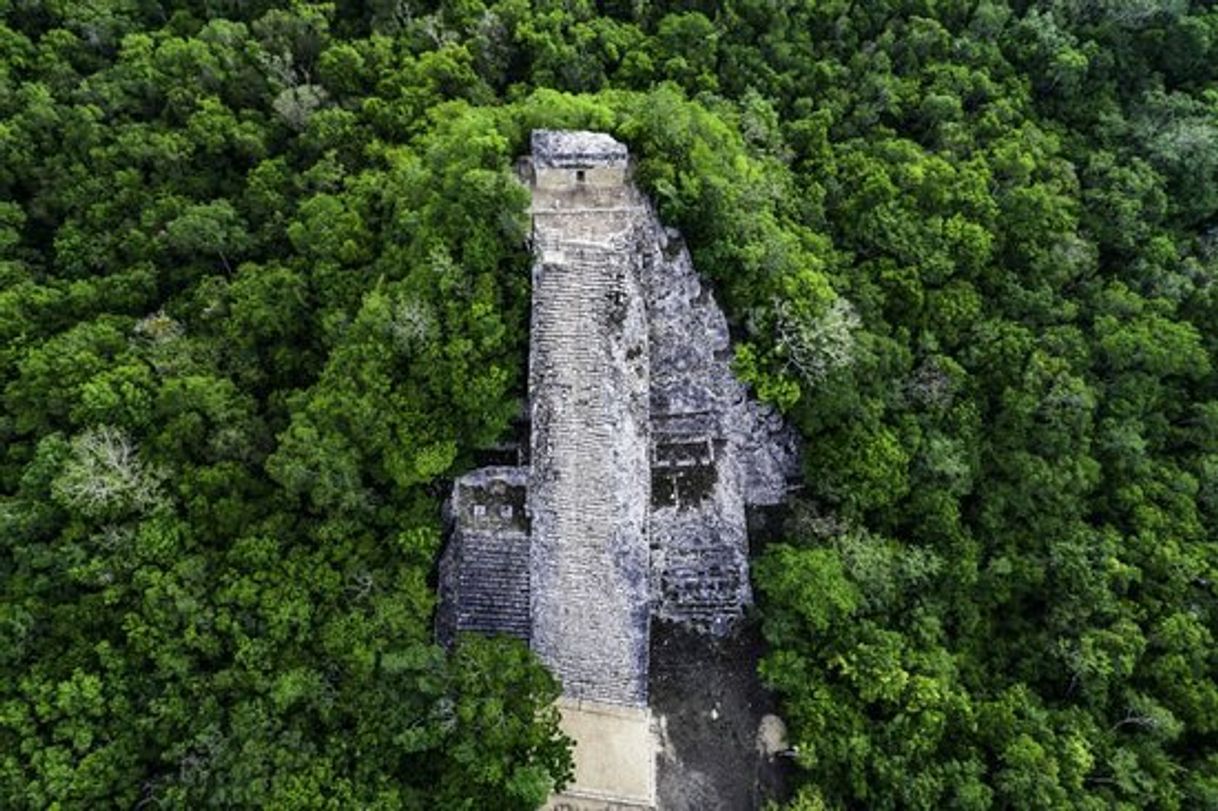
(708, 702)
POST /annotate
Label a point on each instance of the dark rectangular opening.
(579, 175)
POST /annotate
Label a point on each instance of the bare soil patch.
(709, 705)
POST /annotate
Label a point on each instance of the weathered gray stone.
(572, 149)
(484, 573)
(645, 448)
(699, 540)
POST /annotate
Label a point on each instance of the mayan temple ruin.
(630, 500)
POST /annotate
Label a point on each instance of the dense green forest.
(263, 292)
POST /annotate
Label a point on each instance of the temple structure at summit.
(644, 453)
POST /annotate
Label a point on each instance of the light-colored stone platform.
(615, 756)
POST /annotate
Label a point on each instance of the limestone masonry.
(644, 449)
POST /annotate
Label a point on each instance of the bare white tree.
(158, 328)
(296, 104)
(413, 323)
(105, 475)
(816, 345)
